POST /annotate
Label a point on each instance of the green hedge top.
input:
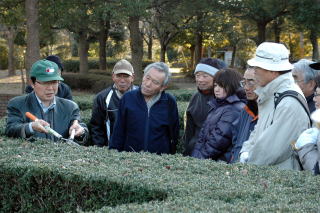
(56, 177)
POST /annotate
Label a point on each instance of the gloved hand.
(244, 157)
(307, 136)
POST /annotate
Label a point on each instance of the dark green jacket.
(60, 117)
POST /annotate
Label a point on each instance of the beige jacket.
(269, 143)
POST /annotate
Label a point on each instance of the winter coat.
(60, 117)
(215, 137)
(246, 124)
(103, 118)
(136, 129)
(196, 114)
(309, 156)
(311, 104)
(269, 143)
(64, 91)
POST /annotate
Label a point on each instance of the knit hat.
(123, 66)
(45, 70)
(206, 68)
(271, 56)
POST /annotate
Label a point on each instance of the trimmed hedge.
(50, 177)
(88, 82)
(73, 65)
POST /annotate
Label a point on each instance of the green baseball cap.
(45, 70)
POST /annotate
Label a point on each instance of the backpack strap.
(107, 120)
(294, 94)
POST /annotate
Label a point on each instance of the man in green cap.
(60, 114)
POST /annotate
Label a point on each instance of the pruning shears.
(69, 141)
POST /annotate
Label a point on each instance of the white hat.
(271, 56)
(123, 66)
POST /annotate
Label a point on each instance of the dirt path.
(10, 85)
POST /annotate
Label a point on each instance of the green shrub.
(73, 65)
(2, 125)
(50, 177)
(182, 94)
(89, 82)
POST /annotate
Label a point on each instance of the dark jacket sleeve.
(28, 89)
(219, 139)
(118, 136)
(174, 125)
(97, 122)
(189, 132)
(16, 126)
(65, 91)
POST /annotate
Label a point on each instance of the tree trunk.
(233, 58)
(136, 44)
(163, 51)
(33, 43)
(150, 44)
(103, 36)
(11, 60)
(301, 44)
(192, 56)
(315, 46)
(198, 47)
(83, 52)
(277, 33)
(261, 32)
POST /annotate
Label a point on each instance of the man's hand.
(39, 125)
(306, 137)
(76, 126)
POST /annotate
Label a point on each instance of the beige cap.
(123, 66)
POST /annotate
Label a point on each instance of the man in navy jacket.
(148, 117)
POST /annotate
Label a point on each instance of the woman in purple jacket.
(215, 137)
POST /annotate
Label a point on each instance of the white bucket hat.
(271, 56)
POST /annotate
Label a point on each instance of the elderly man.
(64, 90)
(248, 116)
(277, 127)
(148, 117)
(304, 76)
(106, 103)
(60, 114)
(198, 107)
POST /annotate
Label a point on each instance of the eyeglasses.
(250, 83)
(48, 83)
(297, 81)
(315, 94)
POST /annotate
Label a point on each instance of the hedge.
(50, 177)
(73, 65)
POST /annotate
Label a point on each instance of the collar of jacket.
(162, 97)
(248, 110)
(277, 85)
(229, 100)
(208, 92)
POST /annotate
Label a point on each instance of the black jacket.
(100, 115)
